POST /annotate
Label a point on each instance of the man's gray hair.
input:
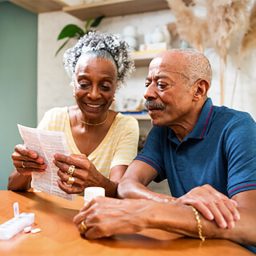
(197, 65)
(104, 45)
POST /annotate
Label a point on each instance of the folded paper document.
(46, 144)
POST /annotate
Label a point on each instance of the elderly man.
(207, 154)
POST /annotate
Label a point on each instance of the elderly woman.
(102, 142)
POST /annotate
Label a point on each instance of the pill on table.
(35, 230)
(27, 229)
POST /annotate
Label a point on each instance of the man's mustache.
(149, 104)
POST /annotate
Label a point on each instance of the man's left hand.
(213, 205)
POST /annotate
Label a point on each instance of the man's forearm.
(181, 219)
(129, 188)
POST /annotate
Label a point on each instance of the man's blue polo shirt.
(220, 151)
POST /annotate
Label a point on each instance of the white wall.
(53, 83)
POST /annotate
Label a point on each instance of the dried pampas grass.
(172, 28)
(249, 39)
(190, 28)
(247, 43)
(189, 2)
(226, 20)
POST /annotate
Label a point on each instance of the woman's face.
(95, 86)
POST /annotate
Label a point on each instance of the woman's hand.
(213, 205)
(84, 173)
(27, 161)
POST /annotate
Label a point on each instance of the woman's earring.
(74, 92)
(72, 84)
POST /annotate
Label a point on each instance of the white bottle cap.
(92, 192)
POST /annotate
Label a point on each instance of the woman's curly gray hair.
(94, 42)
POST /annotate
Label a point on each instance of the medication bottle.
(92, 192)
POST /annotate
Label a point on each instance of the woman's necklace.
(96, 124)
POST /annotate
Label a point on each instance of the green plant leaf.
(92, 23)
(87, 25)
(71, 31)
(62, 46)
(97, 21)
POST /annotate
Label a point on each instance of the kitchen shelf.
(111, 8)
(139, 116)
(143, 58)
(39, 6)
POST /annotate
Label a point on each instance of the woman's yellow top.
(119, 146)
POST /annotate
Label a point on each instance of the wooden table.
(59, 236)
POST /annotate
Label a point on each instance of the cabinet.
(143, 58)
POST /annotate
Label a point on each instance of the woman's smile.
(94, 106)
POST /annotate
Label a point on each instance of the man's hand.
(213, 205)
(104, 216)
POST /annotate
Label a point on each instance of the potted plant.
(74, 31)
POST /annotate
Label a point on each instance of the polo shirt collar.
(201, 126)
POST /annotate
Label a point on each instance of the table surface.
(59, 236)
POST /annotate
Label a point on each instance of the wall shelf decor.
(111, 8)
(39, 6)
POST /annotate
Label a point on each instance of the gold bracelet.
(199, 224)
